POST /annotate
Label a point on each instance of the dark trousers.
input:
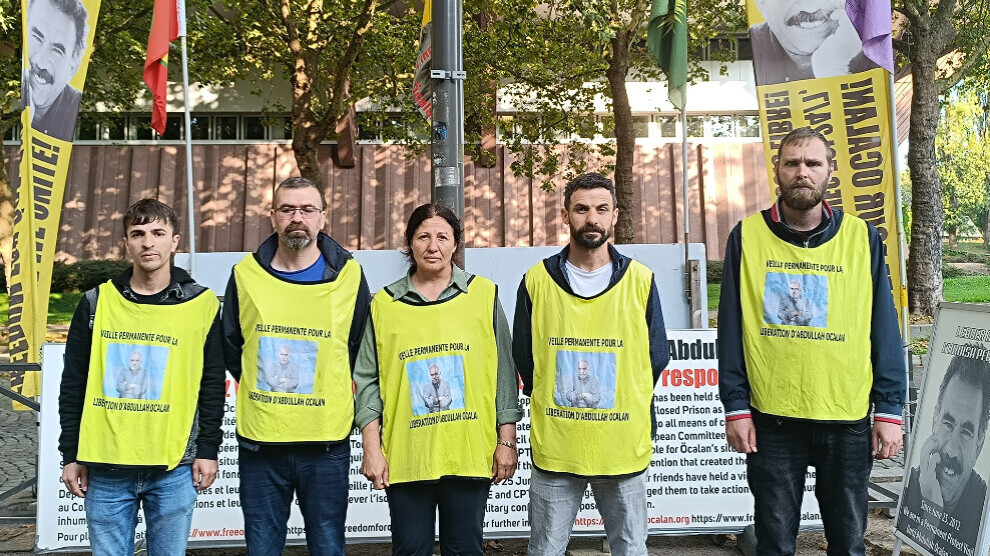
(842, 460)
(319, 479)
(461, 504)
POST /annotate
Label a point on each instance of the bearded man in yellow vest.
(300, 300)
(589, 307)
(156, 444)
(798, 392)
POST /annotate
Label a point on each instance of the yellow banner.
(57, 38)
(853, 113)
(812, 71)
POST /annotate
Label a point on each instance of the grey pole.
(447, 134)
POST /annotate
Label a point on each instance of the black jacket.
(522, 328)
(233, 341)
(205, 436)
(887, 356)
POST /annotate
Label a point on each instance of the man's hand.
(204, 472)
(741, 435)
(373, 464)
(374, 467)
(930, 458)
(76, 478)
(887, 439)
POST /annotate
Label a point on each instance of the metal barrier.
(8, 517)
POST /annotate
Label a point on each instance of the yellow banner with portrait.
(57, 36)
(815, 67)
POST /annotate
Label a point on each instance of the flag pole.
(190, 197)
(901, 243)
(687, 206)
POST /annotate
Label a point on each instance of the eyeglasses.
(307, 212)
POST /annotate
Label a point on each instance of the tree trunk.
(305, 152)
(6, 214)
(953, 233)
(306, 134)
(925, 266)
(625, 139)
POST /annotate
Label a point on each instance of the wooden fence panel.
(368, 205)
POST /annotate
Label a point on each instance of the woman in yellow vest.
(437, 394)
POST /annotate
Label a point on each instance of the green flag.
(667, 37)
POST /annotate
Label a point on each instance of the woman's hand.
(503, 463)
(506, 457)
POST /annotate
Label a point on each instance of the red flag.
(164, 30)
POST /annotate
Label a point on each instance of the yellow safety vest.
(145, 369)
(433, 430)
(597, 425)
(806, 322)
(295, 366)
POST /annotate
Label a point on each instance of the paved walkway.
(18, 446)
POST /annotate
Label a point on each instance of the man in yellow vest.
(154, 444)
(799, 392)
(589, 307)
(302, 294)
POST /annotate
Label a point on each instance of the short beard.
(802, 202)
(603, 236)
(296, 243)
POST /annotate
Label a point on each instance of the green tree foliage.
(962, 147)
(114, 79)
(612, 34)
(332, 53)
(943, 41)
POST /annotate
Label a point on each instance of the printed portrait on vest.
(796, 299)
(585, 380)
(436, 384)
(286, 366)
(139, 371)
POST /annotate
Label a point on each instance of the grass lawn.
(964, 289)
(60, 307)
(713, 292)
(968, 289)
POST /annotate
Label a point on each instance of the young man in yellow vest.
(301, 294)
(157, 446)
(799, 392)
(589, 307)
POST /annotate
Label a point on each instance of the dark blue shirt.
(312, 273)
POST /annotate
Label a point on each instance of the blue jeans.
(319, 478)
(842, 460)
(112, 499)
(554, 501)
(413, 508)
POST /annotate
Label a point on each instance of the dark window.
(287, 127)
(254, 127)
(86, 128)
(141, 128)
(226, 127)
(745, 49)
(116, 128)
(200, 127)
(173, 128)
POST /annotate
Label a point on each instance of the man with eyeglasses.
(300, 288)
